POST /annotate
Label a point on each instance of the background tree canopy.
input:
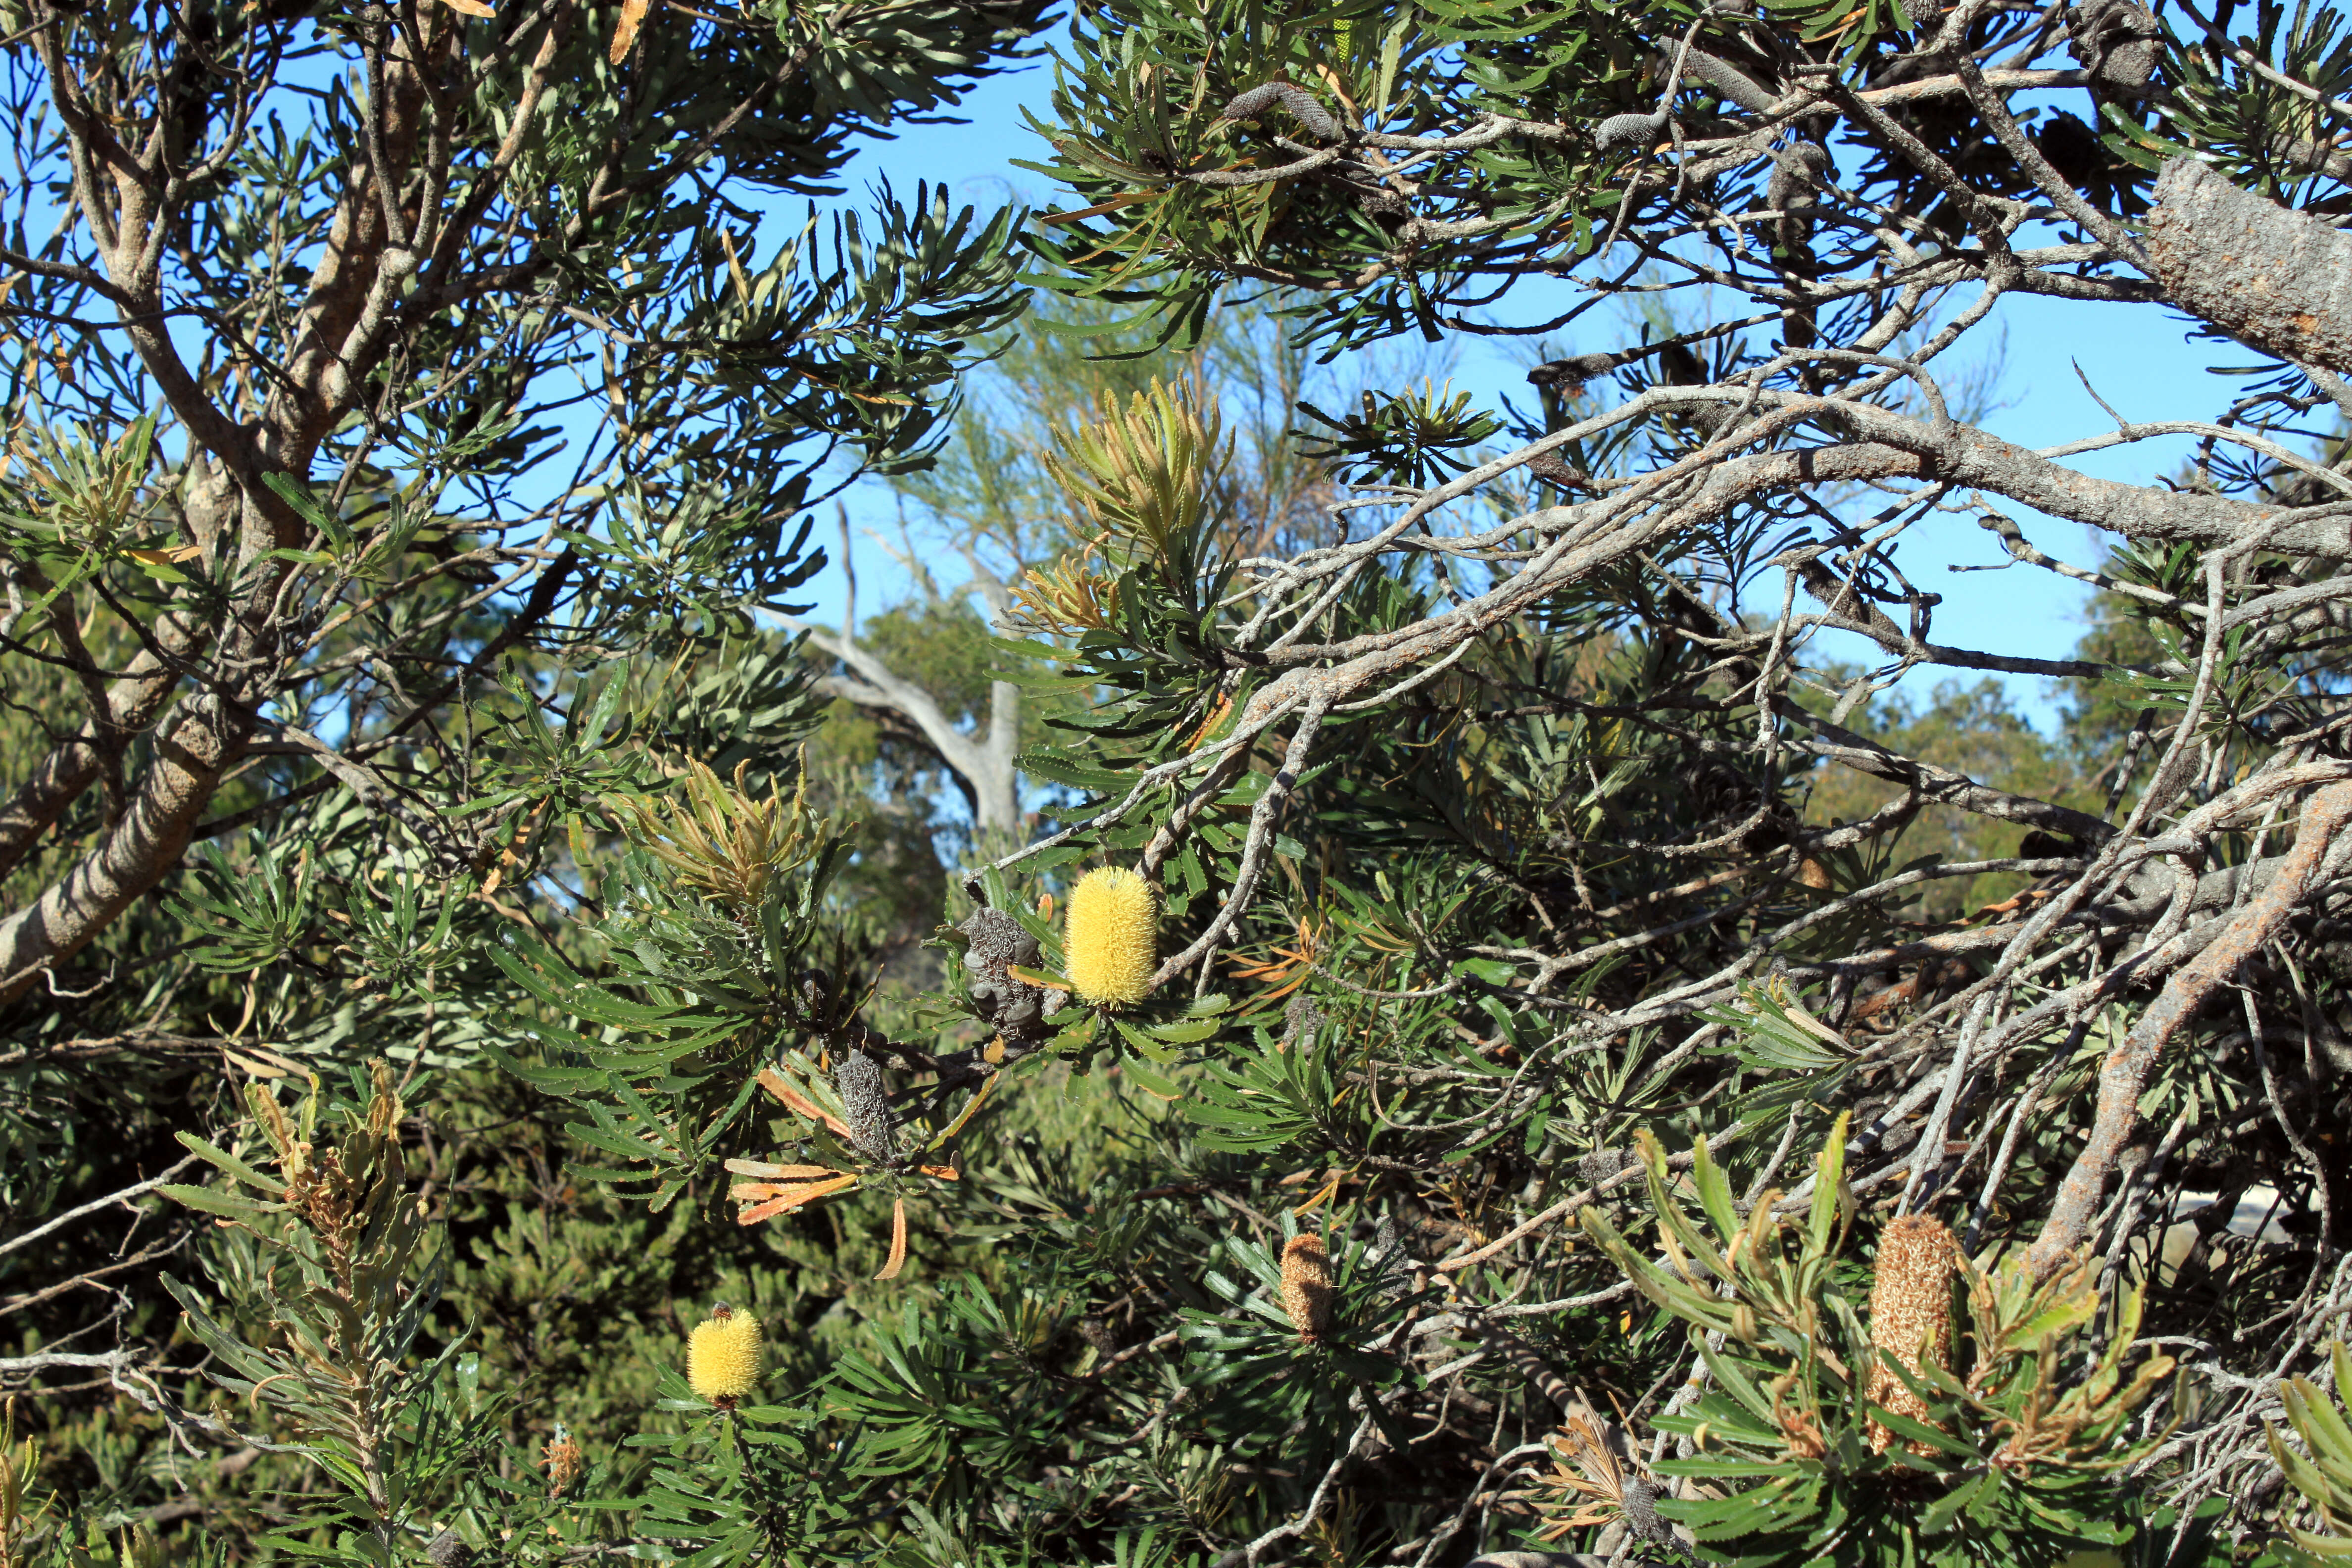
(1346, 974)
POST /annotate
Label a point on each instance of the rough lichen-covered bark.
(2275, 279)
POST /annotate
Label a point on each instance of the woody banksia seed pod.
(1600, 1164)
(1112, 942)
(1307, 1286)
(1910, 1315)
(1391, 1258)
(1305, 109)
(722, 1356)
(865, 1107)
(996, 942)
(1638, 1501)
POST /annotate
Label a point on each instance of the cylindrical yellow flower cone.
(1910, 1313)
(722, 1357)
(1111, 944)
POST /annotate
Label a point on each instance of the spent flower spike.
(1307, 1286)
(1910, 1315)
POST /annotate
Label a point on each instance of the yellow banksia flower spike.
(722, 1356)
(1112, 942)
(1910, 1315)
(1307, 1286)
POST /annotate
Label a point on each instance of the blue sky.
(2138, 358)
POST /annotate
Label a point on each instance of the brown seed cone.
(1307, 1286)
(1910, 1313)
(865, 1107)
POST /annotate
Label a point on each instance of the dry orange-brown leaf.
(897, 1241)
(773, 1082)
(624, 32)
(774, 1200)
(768, 1173)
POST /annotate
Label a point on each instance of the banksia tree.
(1575, 763)
(340, 523)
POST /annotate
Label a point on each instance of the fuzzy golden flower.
(1910, 1315)
(1307, 1286)
(722, 1357)
(1112, 941)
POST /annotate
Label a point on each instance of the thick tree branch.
(194, 743)
(984, 763)
(2123, 1077)
(2276, 279)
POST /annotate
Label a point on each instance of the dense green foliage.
(1645, 1052)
